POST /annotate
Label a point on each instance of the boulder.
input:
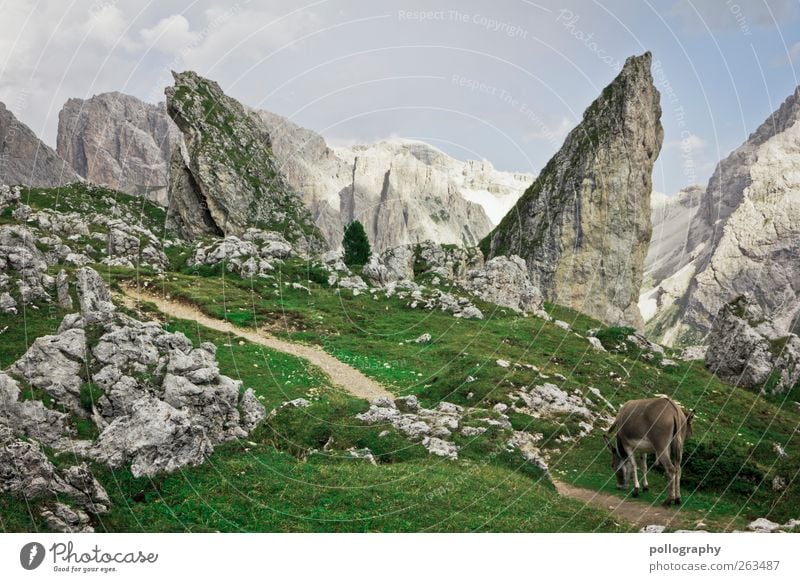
(504, 281)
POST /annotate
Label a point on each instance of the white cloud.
(108, 25)
(170, 35)
(688, 142)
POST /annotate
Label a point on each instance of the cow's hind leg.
(632, 458)
(645, 485)
(669, 469)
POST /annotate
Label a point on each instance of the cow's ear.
(690, 416)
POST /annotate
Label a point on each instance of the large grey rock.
(118, 141)
(62, 518)
(24, 159)
(504, 281)
(228, 179)
(30, 418)
(22, 260)
(94, 296)
(583, 227)
(155, 437)
(741, 352)
(26, 471)
(54, 363)
(402, 191)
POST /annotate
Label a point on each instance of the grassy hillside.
(295, 472)
(730, 461)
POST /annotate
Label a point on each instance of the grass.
(294, 473)
(730, 461)
(279, 479)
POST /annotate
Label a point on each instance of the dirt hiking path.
(348, 378)
(638, 513)
(342, 375)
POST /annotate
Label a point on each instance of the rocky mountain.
(402, 191)
(118, 141)
(224, 178)
(745, 236)
(665, 279)
(24, 159)
(583, 227)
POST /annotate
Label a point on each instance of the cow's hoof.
(677, 501)
(646, 488)
(636, 492)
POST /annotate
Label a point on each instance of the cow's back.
(647, 417)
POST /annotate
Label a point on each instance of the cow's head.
(619, 464)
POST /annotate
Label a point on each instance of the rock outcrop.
(255, 254)
(743, 350)
(225, 178)
(583, 227)
(158, 402)
(402, 191)
(504, 281)
(745, 237)
(24, 159)
(118, 141)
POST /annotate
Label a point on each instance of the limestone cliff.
(118, 141)
(402, 191)
(24, 159)
(583, 227)
(226, 179)
(746, 234)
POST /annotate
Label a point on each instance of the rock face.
(118, 141)
(226, 178)
(402, 191)
(743, 350)
(583, 227)
(745, 237)
(668, 271)
(24, 159)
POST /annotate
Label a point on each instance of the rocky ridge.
(402, 191)
(583, 227)
(25, 160)
(745, 236)
(116, 140)
(224, 179)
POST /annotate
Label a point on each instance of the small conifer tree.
(356, 245)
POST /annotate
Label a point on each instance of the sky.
(504, 81)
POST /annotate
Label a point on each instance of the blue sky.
(503, 81)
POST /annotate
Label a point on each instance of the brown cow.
(650, 425)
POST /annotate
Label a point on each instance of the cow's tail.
(674, 445)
